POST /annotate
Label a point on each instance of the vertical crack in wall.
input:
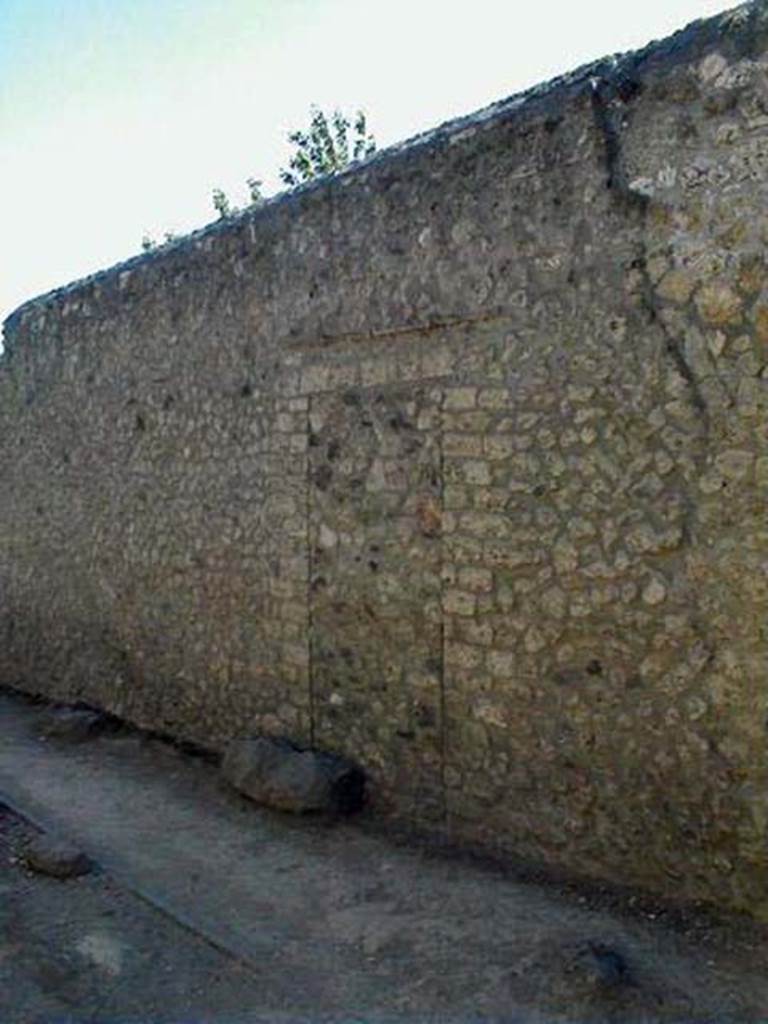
(443, 722)
(310, 576)
(637, 205)
(750, 19)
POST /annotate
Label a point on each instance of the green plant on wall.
(149, 244)
(327, 146)
(221, 204)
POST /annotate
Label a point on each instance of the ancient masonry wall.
(456, 464)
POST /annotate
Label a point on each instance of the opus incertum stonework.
(455, 464)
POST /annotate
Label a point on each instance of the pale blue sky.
(118, 117)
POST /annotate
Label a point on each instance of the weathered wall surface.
(456, 464)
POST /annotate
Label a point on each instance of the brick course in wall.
(456, 464)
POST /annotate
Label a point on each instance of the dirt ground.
(87, 950)
(205, 908)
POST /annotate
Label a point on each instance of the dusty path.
(215, 910)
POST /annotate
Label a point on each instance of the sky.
(119, 117)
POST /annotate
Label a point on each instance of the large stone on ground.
(276, 773)
(48, 855)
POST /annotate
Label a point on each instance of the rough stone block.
(276, 773)
(58, 858)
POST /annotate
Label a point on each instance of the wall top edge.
(737, 33)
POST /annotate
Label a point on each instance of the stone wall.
(456, 464)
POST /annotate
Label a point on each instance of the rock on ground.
(49, 855)
(276, 773)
